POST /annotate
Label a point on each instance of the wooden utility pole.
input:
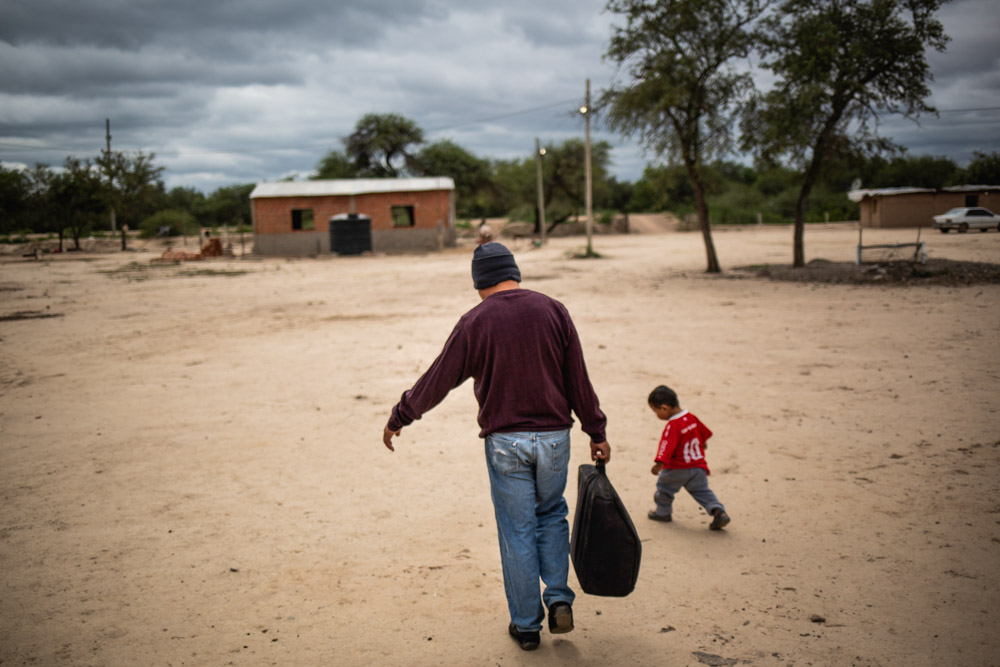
(539, 152)
(107, 136)
(585, 110)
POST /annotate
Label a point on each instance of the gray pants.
(694, 480)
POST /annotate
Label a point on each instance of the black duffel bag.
(605, 545)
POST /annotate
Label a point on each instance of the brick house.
(914, 207)
(399, 214)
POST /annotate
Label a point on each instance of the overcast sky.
(241, 91)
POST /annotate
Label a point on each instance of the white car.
(964, 219)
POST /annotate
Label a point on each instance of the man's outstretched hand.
(600, 451)
(387, 435)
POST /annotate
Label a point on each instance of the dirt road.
(192, 474)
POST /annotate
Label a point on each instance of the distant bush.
(170, 222)
(823, 201)
(522, 213)
(737, 206)
(20, 236)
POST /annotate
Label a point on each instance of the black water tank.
(350, 234)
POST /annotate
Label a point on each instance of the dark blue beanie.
(492, 263)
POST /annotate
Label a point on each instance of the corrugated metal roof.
(858, 195)
(352, 186)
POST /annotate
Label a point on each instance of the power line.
(506, 115)
(974, 109)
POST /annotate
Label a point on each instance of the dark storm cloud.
(234, 91)
(972, 56)
(98, 48)
(566, 28)
(201, 25)
(91, 72)
(965, 90)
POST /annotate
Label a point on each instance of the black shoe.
(720, 521)
(526, 640)
(665, 518)
(560, 618)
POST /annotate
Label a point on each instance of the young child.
(680, 460)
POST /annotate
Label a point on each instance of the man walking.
(524, 355)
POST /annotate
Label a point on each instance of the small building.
(914, 207)
(397, 214)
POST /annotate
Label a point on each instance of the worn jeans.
(527, 482)
(670, 481)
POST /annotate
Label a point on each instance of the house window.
(302, 218)
(402, 216)
(971, 200)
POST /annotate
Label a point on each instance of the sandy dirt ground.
(192, 473)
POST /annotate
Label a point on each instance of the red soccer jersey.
(683, 442)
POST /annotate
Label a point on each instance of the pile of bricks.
(211, 249)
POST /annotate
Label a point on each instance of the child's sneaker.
(665, 518)
(720, 521)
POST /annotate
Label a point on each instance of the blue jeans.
(670, 481)
(527, 482)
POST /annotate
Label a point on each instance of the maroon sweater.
(524, 354)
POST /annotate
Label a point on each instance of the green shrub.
(737, 206)
(823, 201)
(174, 222)
(522, 213)
(20, 236)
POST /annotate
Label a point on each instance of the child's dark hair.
(663, 395)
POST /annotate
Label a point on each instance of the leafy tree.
(41, 199)
(15, 195)
(922, 171)
(617, 197)
(335, 164)
(839, 65)
(381, 144)
(564, 178)
(77, 198)
(132, 183)
(736, 204)
(661, 188)
(984, 169)
(735, 172)
(183, 199)
(470, 173)
(646, 198)
(229, 205)
(512, 185)
(668, 187)
(776, 179)
(680, 59)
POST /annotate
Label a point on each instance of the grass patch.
(584, 253)
(28, 315)
(213, 272)
(138, 271)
